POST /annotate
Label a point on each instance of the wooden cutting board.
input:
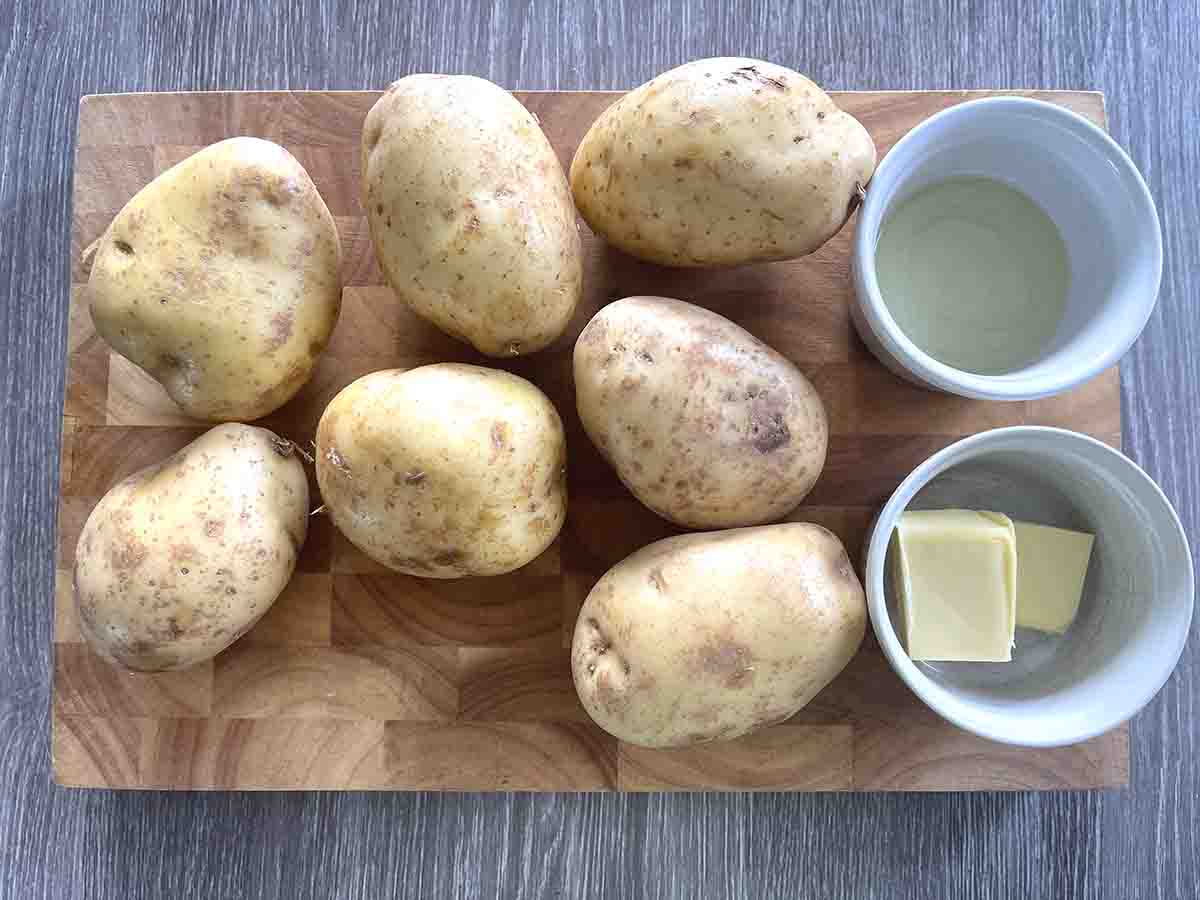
(359, 678)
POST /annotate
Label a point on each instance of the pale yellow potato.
(721, 162)
(706, 637)
(221, 279)
(704, 423)
(470, 212)
(444, 470)
(178, 561)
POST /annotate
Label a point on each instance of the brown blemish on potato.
(213, 528)
(281, 329)
(657, 579)
(726, 659)
(768, 430)
(499, 438)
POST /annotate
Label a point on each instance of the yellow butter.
(956, 574)
(1051, 566)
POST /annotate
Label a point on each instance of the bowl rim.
(1010, 386)
(924, 687)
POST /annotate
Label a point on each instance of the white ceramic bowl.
(1087, 186)
(1135, 613)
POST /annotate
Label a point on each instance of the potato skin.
(704, 423)
(721, 162)
(180, 559)
(706, 637)
(444, 470)
(221, 279)
(470, 212)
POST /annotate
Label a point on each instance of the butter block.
(956, 574)
(1051, 566)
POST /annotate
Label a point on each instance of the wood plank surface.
(466, 685)
(62, 844)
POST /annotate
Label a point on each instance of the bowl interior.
(1135, 609)
(1088, 188)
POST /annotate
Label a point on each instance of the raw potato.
(444, 470)
(221, 279)
(705, 637)
(706, 424)
(470, 212)
(720, 162)
(178, 561)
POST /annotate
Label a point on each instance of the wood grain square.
(72, 515)
(347, 559)
(499, 683)
(86, 227)
(884, 404)
(96, 751)
(399, 610)
(66, 613)
(80, 328)
(106, 456)
(86, 685)
(1093, 408)
(940, 757)
(576, 587)
(266, 682)
(86, 393)
(262, 754)
(123, 173)
(360, 267)
(864, 469)
(499, 756)
(782, 758)
(300, 617)
(317, 553)
(66, 460)
(600, 532)
(375, 323)
(315, 119)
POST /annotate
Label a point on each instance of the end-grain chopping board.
(363, 678)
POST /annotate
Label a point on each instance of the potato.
(221, 279)
(706, 424)
(470, 212)
(444, 470)
(720, 162)
(704, 637)
(178, 561)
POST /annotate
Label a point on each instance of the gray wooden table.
(1140, 842)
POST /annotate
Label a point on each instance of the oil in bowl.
(974, 273)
